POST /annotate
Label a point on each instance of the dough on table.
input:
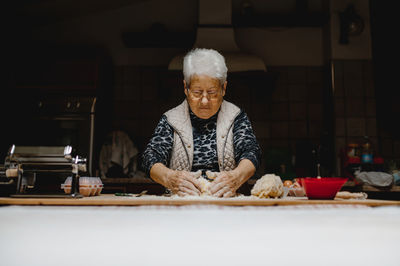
(204, 183)
(196, 174)
(268, 186)
(211, 175)
(351, 195)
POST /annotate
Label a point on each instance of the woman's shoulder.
(163, 123)
(177, 110)
(241, 116)
(231, 107)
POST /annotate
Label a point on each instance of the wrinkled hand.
(225, 184)
(183, 183)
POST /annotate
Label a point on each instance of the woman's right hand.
(182, 183)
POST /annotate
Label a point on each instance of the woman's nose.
(204, 100)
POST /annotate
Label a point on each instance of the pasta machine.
(24, 165)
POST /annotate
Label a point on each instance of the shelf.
(127, 180)
(139, 178)
(350, 185)
(281, 20)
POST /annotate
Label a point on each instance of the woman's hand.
(225, 184)
(179, 182)
(182, 183)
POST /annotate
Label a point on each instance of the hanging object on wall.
(215, 31)
(351, 24)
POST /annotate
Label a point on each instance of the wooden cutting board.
(112, 200)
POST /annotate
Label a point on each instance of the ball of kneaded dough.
(268, 186)
(204, 183)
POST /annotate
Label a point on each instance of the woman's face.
(204, 95)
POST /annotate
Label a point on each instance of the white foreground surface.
(200, 235)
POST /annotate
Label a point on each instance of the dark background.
(293, 108)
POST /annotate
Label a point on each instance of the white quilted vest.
(182, 150)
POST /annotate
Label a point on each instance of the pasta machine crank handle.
(75, 179)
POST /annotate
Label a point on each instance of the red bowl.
(322, 188)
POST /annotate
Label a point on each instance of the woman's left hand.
(225, 184)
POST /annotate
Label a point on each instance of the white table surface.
(200, 235)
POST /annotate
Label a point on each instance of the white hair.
(201, 61)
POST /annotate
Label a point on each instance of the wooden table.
(112, 200)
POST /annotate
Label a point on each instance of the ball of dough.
(204, 186)
(268, 186)
(204, 183)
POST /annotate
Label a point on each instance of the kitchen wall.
(355, 86)
(287, 46)
(356, 109)
(355, 104)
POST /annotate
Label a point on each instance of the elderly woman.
(205, 133)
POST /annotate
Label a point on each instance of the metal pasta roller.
(26, 164)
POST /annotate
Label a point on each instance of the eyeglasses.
(209, 94)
